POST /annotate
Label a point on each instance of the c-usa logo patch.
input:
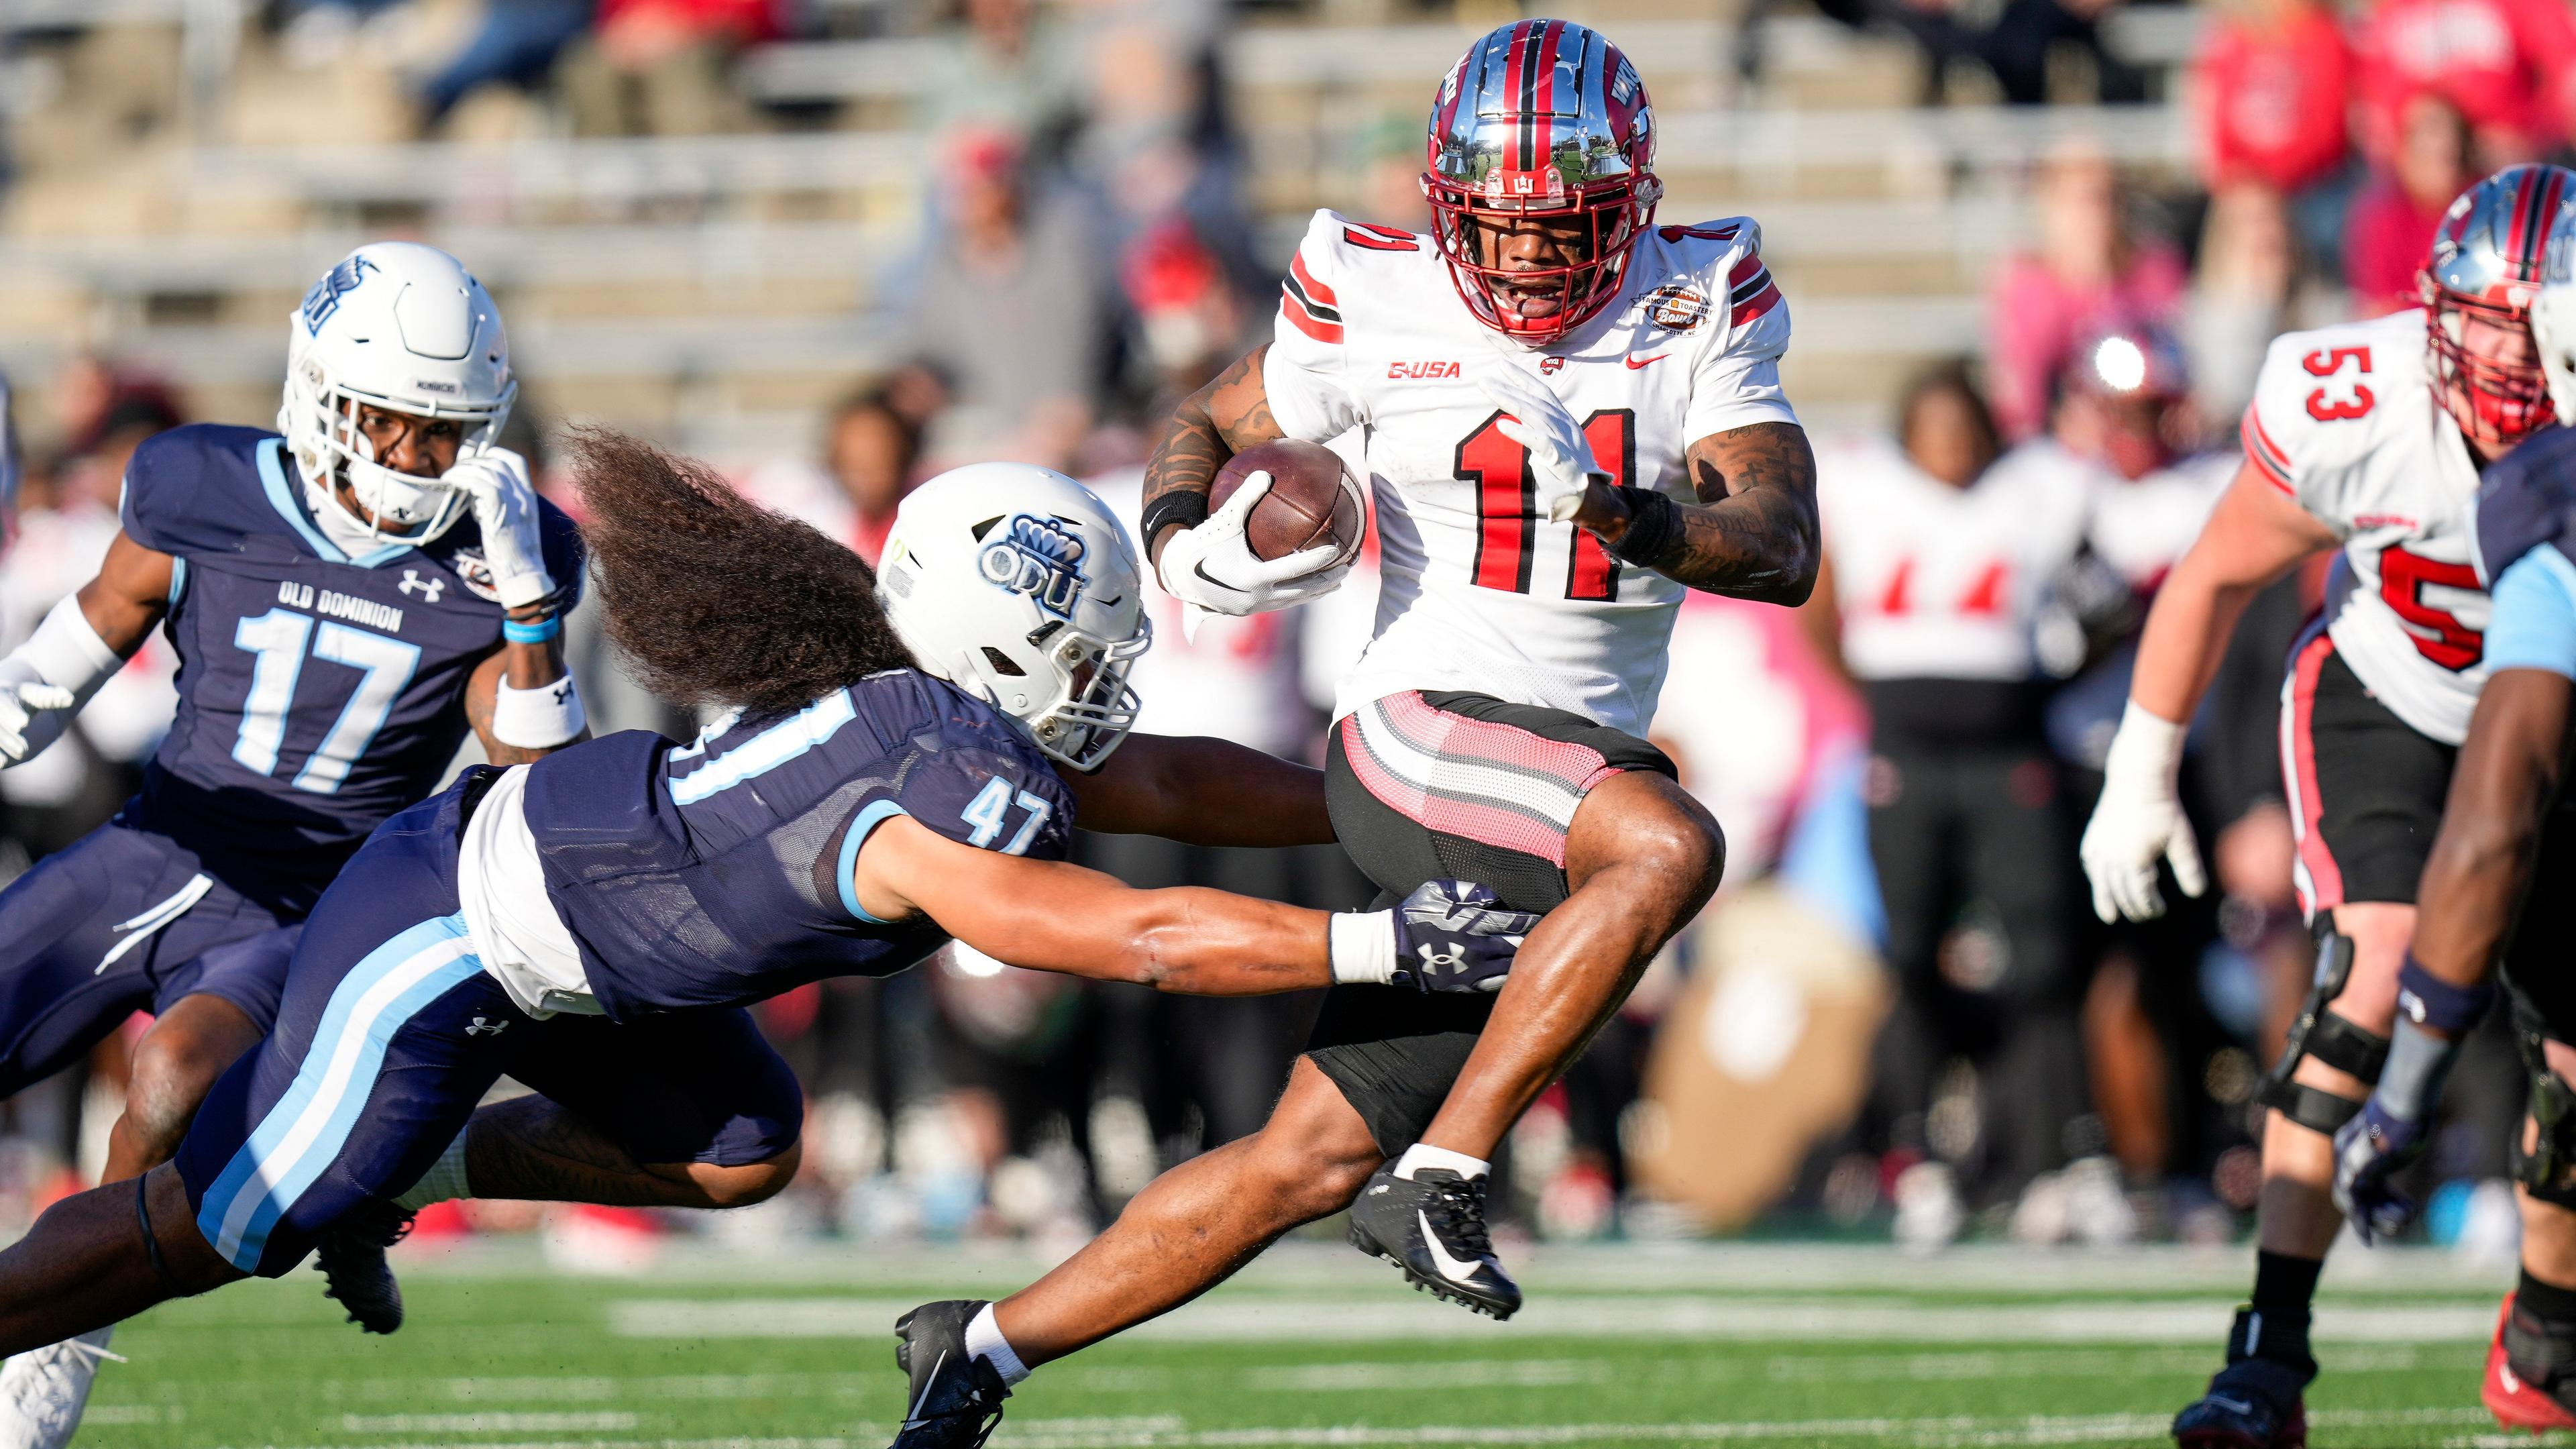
(476, 574)
(336, 283)
(1039, 557)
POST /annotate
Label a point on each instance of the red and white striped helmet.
(1541, 118)
(2486, 262)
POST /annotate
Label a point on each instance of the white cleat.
(43, 1391)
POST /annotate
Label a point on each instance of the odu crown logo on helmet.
(1541, 119)
(1038, 557)
(2486, 263)
(1020, 587)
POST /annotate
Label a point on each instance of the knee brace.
(2330, 1039)
(2544, 1169)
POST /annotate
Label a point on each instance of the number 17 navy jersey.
(318, 693)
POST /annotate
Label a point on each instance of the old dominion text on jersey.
(318, 693)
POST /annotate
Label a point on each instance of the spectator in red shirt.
(2393, 218)
(2508, 66)
(2274, 81)
(2088, 265)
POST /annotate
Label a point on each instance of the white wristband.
(66, 651)
(2146, 750)
(539, 718)
(1363, 947)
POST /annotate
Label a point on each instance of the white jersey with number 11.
(1481, 593)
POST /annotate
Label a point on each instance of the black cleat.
(352, 1258)
(2253, 1403)
(1433, 1227)
(956, 1399)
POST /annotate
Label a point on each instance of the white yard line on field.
(1249, 1319)
(1945, 1432)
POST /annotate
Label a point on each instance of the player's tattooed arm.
(129, 596)
(1754, 534)
(1211, 425)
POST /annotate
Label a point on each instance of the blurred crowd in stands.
(2011, 1067)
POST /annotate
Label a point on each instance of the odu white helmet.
(402, 326)
(1017, 585)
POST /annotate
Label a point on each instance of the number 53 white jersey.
(1480, 592)
(2347, 421)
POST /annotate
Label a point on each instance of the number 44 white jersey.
(1479, 592)
(2349, 422)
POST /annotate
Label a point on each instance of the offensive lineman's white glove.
(1212, 569)
(24, 697)
(495, 483)
(2139, 820)
(1560, 457)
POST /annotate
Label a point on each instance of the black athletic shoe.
(2253, 1403)
(956, 1399)
(352, 1258)
(1433, 1227)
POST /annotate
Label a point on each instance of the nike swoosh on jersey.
(1450, 1268)
(1637, 362)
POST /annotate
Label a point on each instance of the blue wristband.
(533, 633)
(2428, 1000)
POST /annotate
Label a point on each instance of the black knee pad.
(2330, 1039)
(2547, 1169)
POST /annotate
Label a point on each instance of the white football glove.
(495, 483)
(2140, 820)
(25, 725)
(1212, 569)
(1561, 460)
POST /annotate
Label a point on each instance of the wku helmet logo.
(1039, 557)
(336, 283)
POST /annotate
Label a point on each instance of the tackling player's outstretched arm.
(1053, 916)
(1211, 425)
(1753, 534)
(1202, 791)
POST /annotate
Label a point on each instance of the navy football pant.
(389, 1035)
(123, 920)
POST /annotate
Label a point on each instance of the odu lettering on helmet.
(1038, 557)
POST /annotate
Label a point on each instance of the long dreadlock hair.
(718, 600)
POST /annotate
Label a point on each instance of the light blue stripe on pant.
(301, 1135)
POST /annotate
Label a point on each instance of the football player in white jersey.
(1571, 415)
(2365, 438)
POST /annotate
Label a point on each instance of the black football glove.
(1453, 935)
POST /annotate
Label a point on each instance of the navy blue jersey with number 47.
(318, 693)
(719, 873)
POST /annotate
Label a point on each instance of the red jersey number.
(2323, 405)
(1507, 506)
(2438, 633)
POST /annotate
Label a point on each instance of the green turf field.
(1314, 1347)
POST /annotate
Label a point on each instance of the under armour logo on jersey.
(1039, 557)
(482, 1027)
(429, 588)
(336, 283)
